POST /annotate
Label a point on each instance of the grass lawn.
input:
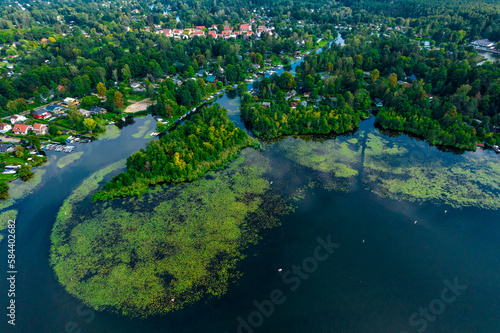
(7, 178)
(323, 43)
(11, 160)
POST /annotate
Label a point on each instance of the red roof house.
(21, 129)
(40, 129)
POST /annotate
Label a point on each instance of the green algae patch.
(20, 189)
(68, 159)
(404, 171)
(112, 132)
(400, 168)
(168, 248)
(335, 155)
(142, 130)
(89, 185)
(5, 217)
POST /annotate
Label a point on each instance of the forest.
(206, 141)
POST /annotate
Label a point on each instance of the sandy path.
(138, 106)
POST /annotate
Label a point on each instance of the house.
(70, 101)
(293, 104)
(15, 119)
(135, 85)
(4, 128)
(210, 79)
(212, 33)
(97, 110)
(21, 129)
(40, 129)
(6, 148)
(201, 73)
(85, 113)
(484, 44)
(54, 108)
(266, 104)
(167, 32)
(60, 88)
(244, 27)
(199, 27)
(198, 33)
(378, 102)
(304, 103)
(214, 27)
(40, 114)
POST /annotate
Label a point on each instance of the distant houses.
(484, 44)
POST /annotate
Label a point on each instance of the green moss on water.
(142, 130)
(419, 174)
(20, 189)
(150, 255)
(68, 159)
(112, 132)
(399, 168)
(89, 185)
(335, 155)
(5, 217)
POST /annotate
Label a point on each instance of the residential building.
(21, 129)
(40, 129)
(97, 110)
(16, 119)
(40, 114)
(4, 128)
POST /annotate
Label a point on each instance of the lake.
(362, 192)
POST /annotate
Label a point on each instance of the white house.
(4, 128)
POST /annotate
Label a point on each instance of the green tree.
(34, 141)
(393, 80)
(118, 100)
(101, 89)
(89, 124)
(19, 151)
(4, 191)
(25, 173)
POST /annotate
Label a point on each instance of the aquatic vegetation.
(112, 132)
(68, 159)
(142, 130)
(4, 219)
(401, 172)
(150, 255)
(90, 184)
(399, 168)
(20, 189)
(336, 156)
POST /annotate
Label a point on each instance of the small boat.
(12, 166)
(414, 222)
(9, 172)
(496, 149)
